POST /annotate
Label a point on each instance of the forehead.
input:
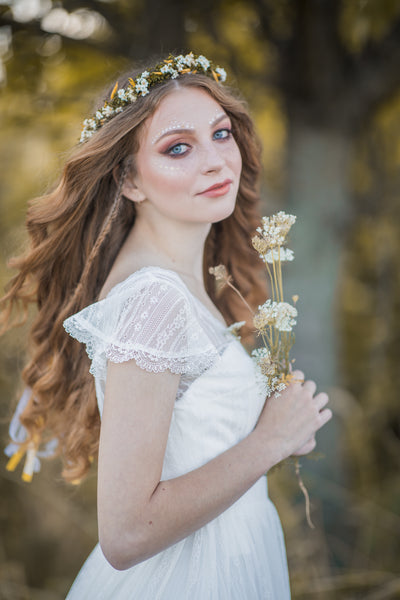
(192, 107)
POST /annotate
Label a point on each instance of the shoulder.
(153, 282)
(150, 316)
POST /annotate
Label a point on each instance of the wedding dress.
(153, 318)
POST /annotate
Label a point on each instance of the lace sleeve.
(150, 320)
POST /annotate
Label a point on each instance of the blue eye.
(222, 134)
(177, 149)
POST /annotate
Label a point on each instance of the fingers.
(310, 386)
(324, 416)
(297, 376)
(321, 400)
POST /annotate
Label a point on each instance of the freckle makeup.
(174, 168)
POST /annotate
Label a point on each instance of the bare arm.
(139, 515)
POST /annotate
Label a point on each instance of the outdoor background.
(322, 78)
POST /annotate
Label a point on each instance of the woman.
(162, 187)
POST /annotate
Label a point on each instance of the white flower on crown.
(221, 72)
(202, 61)
(180, 63)
(107, 111)
(99, 115)
(130, 94)
(174, 74)
(142, 85)
(89, 123)
(189, 60)
(121, 94)
(167, 68)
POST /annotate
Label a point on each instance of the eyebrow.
(188, 130)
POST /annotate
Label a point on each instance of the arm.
(139, 515)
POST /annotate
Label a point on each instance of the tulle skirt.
(240, 555)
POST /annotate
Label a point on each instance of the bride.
(162, 186)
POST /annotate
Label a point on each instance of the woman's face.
(188, 165)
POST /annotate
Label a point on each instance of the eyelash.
(170, 153)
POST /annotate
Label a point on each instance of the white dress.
(240, 555)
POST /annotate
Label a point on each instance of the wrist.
(267, 450)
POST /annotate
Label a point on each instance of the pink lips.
(219, 189)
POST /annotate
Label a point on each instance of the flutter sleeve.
(149, 319)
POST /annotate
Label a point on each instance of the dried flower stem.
(240, 296)
(305, 493)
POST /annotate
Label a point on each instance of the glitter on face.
(175, 125)
(219, 114)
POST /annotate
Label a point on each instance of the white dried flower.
(276, 228)
(285, 318)
(261, 354)
(121, 94)
(235, 327)
(279, 253)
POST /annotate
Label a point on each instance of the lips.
(218, 189)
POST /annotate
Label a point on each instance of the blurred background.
(322, 78)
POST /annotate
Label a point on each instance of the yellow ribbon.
(30, 449)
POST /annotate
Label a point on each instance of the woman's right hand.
(290, 419)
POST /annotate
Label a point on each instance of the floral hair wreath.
(170, 68)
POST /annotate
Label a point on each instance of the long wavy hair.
(76, 232)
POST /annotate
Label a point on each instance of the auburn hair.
(76, 232)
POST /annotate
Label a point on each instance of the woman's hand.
(289, 420)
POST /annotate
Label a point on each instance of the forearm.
(180, 506)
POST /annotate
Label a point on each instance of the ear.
(131, 191)
(129, 188)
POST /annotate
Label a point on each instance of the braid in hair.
(112, 215)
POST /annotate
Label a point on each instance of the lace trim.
(152, 362)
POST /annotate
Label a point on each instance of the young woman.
(162, 186)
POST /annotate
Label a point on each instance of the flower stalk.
(275, 319)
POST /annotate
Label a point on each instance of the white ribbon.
(18, 434)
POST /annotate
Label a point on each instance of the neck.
(172, 245)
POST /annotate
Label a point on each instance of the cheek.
(169, 173)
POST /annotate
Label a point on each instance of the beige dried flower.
(220, 273)
(259, 244)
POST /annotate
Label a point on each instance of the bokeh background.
(322, 78)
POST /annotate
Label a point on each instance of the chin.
(223, 212)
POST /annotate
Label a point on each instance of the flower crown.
(170, 68)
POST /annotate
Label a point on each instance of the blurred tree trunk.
(318, 193)
(329, 94)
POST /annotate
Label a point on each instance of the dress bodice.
(153, 318)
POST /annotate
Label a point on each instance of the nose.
(212, 159)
